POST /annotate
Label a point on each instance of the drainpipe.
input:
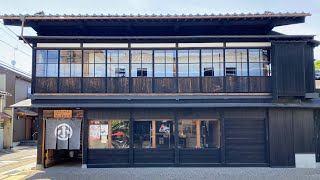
(22, 27)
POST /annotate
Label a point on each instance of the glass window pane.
(148, 69)
(100, 70)
(65, 56)
(64, 70)
(206, 56)
(264, 55)
(254, 69)
(146, 56)
(159, 56)
(170, 56)
(183, 70)
(217, 55)
(100, 56)
(254, 55)
(230, 55)
(194, 56)
(153, 134)
(111, 70)
(123, 70)
(76, 70)
(218, 69)
(102, 136)
(134, 69)
(194, 70)
(266, 69)
(124, 56)
(170, 70)
(112, 56)
(136, 56)
(53, 56)
(41, 70)
(120, 134)
(242, 69)
(159, 70)
(76, 56)
(207, 69)
(86, 70)
(41, 56)
(88, 56)
(183, 56)
(52, 70)
(208, 137)
(241, 55)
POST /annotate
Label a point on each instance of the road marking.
(14, 177)
(3, 163)
(28, 157)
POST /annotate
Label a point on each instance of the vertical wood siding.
(289, 68)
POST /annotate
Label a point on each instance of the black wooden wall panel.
(165, 85)
(212, 84)
(281, 138)
(303, 122)
(237, 84)
(189, 85)
(200, 156)
(141, 85)
(94, 85)
(154, 156)
(69, 85)
(245, 140)
(118, 85)
(288, 67)
(108, 114)
(46, 85)
(260, 84)
(108, 156)
(309, 69)
(317, 133)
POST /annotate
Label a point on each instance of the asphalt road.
(76, 172)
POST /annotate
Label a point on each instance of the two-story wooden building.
(172, 90)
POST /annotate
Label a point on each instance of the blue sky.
(312, 25)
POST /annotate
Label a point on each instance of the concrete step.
(28, 143)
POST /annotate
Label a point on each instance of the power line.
(15, 48)
(10, 34)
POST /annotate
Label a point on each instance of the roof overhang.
(154, 24)
(25, 112)
(4, 116)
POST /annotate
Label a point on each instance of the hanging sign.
(62, 113)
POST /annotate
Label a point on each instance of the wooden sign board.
(62, 113)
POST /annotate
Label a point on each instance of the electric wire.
(15, 48)
(10, 34)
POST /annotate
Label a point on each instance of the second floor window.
(188, 63)
(47, 63)
(212, 62)
(94, 63)
(164, 63)
(70, 63)
(117, 63)
(141, 63)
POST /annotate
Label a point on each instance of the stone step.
(28, 143)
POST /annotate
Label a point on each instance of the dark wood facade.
(258, 120)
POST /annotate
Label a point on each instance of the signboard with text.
(62, 113)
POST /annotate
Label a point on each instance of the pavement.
(76, 172)
(19, 163)
(18, 160)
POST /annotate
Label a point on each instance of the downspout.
(22, 27)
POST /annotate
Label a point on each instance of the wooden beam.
(198, 145)
(153, 133)
(109, 145)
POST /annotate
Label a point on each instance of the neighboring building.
(18, 84)
(5, 123)
(180, 90)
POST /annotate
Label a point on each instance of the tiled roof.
(42, 15)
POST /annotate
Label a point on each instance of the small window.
(208, 71)
(142, 72)
(231, 71)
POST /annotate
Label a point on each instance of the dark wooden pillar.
(85, 137)
(40, 141)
